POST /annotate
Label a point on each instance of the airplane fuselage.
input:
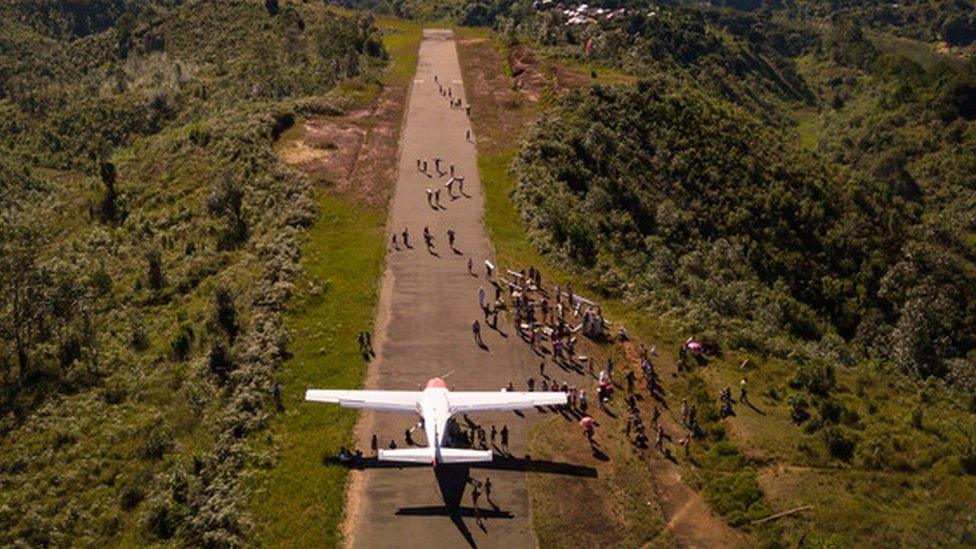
(436, 411)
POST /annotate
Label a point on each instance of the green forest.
(691, 190)
(149, 240)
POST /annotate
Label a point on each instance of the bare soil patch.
(356, 151)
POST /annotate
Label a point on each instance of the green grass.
(808, 128)
(300, 503)
(922, 53)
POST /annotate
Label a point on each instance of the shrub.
(830, 410)
(816, 376)
(138, 337)
(156, 443)
(131, 496)
(162, 519)
(179, 486)
(181, 342)
(154, 270)
(839, 445)
(225, 312)
(918, 414)
(737, 497)
(220, 362)
(798, 408)
(100, 281)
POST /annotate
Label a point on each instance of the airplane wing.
(443, 455)
(487, 401)
(384, 401)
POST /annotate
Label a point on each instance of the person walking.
(450, 237)
(369, 343)
(476, 330)
(374, 444)
(430, 197)
(504, 434)
(395, 245)
(437, 197)
(475, 496)
(743, 396)
(494, 434)
(276, 395)
(471, 267)
(406, 237)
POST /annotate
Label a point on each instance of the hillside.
(149, 239)
(822, 251)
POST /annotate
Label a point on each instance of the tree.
(227, 201)
(272, 7)
(108, 209)
(154, 270)
(23, 299)
(225, 312)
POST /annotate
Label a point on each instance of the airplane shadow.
(499, 463)
(452, 480)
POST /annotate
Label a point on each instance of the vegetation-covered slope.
(682, 194)
(148, 240)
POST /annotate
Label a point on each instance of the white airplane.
(436, 404)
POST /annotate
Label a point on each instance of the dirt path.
(427, 305)
(689, 519)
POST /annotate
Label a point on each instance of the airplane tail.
(426, 455)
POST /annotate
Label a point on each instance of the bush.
(225, 312)
(157, 442)
(179, 486)
(220, 362)
(830, 410)
(138, 337)
(181, 342)
(816, 376)
(154, 270)
(162, 519)
(798, 408)
(839, 445)
(737, 497)
(132, 494)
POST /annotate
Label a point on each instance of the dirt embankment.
(531, 77)
(355, 151)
